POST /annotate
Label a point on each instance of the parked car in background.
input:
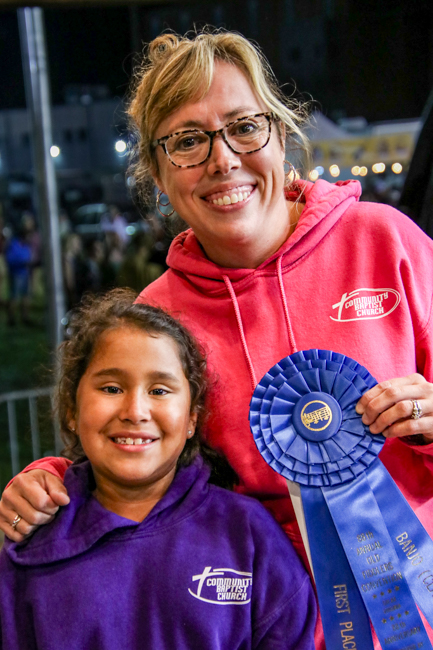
(86, 221)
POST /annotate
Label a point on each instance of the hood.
(324, 202)
(81, 524)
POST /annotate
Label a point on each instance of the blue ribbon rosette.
(371, 557)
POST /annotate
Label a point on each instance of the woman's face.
(133, 412)
(257, 224)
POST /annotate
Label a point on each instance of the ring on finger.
(416, 410)
(16, 521)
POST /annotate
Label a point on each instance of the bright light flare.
(363, 171)
(120, 146)
(334, 170)
(313, 175)
(378, 168)
(54, 151)
(397, 168)
(355, 170)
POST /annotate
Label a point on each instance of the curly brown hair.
(116, 308)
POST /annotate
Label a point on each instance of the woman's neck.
(248, 254)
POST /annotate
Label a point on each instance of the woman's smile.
(230, 196)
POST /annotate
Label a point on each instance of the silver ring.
(16, 521)
(416, 410)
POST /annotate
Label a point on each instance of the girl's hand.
(31, 500)
(387, 408)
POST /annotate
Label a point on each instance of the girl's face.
(133, 412)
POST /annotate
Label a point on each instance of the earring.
(291, 175)
(72, 429)
(163, 205)
(190, 434)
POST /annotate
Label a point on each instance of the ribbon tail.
(344, 617)
(375, 565)
(411, 541)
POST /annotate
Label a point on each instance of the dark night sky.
(85, 46)
(376, 57)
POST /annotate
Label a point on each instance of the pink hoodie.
(356, 278)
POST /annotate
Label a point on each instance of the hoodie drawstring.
(241, 330)
(241, 327)
(286, 310)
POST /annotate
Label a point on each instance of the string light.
(397, 168)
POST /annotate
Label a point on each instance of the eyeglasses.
(193, 147)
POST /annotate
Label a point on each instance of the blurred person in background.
(115, 251)
(3, 266)
(33, 236)
(267, 268)
(113, 221)
(83, 267)
(162, 235)
(89, 268)
(72, 260)
(136, 270)
(19, 255)
(65, 227)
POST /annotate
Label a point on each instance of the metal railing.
(32, 396)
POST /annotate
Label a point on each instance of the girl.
(149, 552)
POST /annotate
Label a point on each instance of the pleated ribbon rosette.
(371, 557)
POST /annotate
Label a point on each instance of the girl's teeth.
(132, 441)
(233, 198)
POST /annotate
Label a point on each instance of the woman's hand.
(387, 408)
(30, 501)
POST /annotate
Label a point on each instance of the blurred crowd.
(110, 253)
(382, 192)
(115, 254)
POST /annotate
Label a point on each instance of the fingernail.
(359, 409)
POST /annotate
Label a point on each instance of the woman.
(135, 544)
(269, 268)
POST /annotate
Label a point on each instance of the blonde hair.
(179, 69)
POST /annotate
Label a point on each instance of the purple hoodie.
(207, 569)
